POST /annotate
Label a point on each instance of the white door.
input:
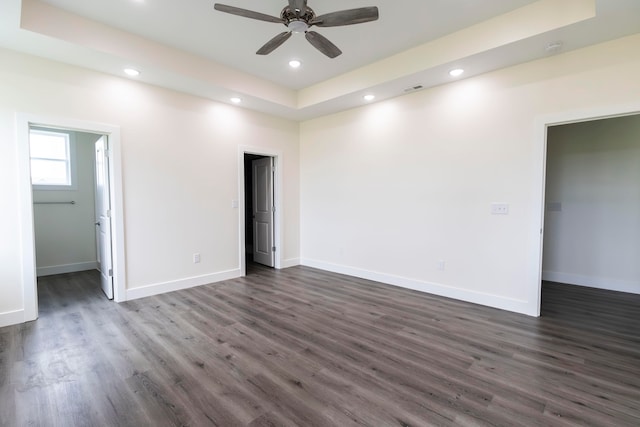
(263, 250)
(103, 217)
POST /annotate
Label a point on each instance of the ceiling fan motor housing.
(297, 21)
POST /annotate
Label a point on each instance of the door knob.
(98, 223)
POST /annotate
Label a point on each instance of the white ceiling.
(194, 26)
(188, 46)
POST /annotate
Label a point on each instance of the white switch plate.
(499, 209)
(196, 258)
(234, 204)
(441, 264)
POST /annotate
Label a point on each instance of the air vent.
(413, 88)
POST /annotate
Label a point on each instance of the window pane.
(49, 146)
(49, 172)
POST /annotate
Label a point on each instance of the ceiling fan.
(298, 18)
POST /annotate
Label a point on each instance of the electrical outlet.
(196, 258)
(499, 209)
(441, 265)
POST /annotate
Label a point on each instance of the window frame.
(71, 160)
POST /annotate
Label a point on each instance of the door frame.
(277, 202)
(29, 278)
(542, 124)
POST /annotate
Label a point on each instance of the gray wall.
(65, 234)
(592, 220)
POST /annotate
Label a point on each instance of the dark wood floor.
(301, 347)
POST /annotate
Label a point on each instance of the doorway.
(591, 201)
(260, 208)
(592, 197)
(65, 186)
(112, 182)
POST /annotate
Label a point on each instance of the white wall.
(65, 234)
(180, 172)
(390, 189)
(386, 190)
(592, 223)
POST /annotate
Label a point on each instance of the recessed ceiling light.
(369, 97)
(294, 63)
(131, 72)
(456, 72)
(236, 100)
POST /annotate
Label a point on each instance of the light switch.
(234, 204)
(499, 209)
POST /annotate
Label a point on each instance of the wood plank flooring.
(302, 347)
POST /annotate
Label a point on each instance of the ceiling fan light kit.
(298, 18)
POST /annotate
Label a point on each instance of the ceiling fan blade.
(300, 5)
(274, 43)
(247, 13)
(347, 17)
(321, 43)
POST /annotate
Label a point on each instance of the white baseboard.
(66, 268)
(176, 285)
(292, 262)
(495, 301)
(592, 282)
(11, 318)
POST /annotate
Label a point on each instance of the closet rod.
(72, 202)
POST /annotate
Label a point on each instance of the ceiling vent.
(413, 88)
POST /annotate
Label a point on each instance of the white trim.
(23, 122)
(592, 282)
(11, 318)
(277, 217)
(66, 268)
(176, 285)
(495, 301)
(291, 262)
(542, 123)
(118, 264)
(27, 233)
